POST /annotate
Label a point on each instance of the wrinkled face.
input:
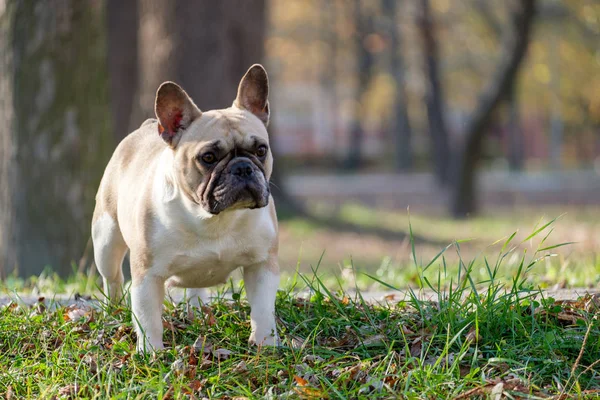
(222, 157)
(223, 161)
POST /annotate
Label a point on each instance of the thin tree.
(514, 48)
(364, 58)
(400, 124)
(434, 97)
(516, 35)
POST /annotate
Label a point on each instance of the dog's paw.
(269, 339)
(145, 347)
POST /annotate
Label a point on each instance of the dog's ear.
(253, 93)
(175, 111)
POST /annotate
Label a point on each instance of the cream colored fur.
(142, 206)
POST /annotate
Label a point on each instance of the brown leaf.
(407, 330)
(472, 336)
(75, 312)
(305, 391)
(121, 361)
(312, 358)
(416, 346)
(210, 317)
(202, 345)
(300, 380)
(68, 391)
(240, 368)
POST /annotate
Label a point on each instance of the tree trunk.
(516, 152)
(464, 200)
(434, 97)
(8, 242)
(59, 140)
(364, 62)
(206, 46)
(400, 125)
(122, 24)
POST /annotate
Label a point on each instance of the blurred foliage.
(559, 79)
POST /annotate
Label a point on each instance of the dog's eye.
(261, 151)
(208, 158)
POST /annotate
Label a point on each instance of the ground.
(485, 330)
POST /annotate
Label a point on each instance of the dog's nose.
(243, 169)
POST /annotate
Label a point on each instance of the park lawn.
(389, 257)
(476, 338)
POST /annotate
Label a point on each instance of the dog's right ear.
(175, 111)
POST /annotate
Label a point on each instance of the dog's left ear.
(175, 111)
(253, 93)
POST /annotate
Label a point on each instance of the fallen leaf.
(178, 367)
(68, 391)
(210, 317)
(202, 345)
(472, 336)
(300, 380)
(311, 358)
(241, 367)
(75, 312)
(374, 341)
(221, 354)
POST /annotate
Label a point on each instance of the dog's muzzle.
(239, 184)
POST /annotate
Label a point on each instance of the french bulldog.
(188, 195)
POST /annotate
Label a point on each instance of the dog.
(188, 195)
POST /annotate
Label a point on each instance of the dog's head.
(222, 158)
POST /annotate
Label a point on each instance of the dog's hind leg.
(109, 251)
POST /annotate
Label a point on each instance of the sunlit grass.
(480, 334)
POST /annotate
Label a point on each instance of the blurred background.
(481, 116)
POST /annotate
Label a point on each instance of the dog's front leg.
(261, 282)
(147, 295)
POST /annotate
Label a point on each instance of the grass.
(577, 265)
(477, 338)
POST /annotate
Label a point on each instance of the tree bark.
(205, 46)
(516, 152)
(59, 140)
(364, 60)
(8, 242)
(434, 97)
(400, 124)
(463, 201)
(122, 24)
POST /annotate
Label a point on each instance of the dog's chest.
(208, 256)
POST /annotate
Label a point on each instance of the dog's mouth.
(235, 183)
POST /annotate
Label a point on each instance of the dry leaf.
(178, 367)
(75, 312)
(307, 392)
(374, 341)
(210, 317)
(311, 358)
(496, 393)
(221, 354)
(472, 336)
(240, 368)
(202, 344)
